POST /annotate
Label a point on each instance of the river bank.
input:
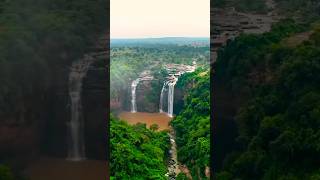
(161, 119)
(62, 169)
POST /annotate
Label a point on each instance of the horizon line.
(160, 37)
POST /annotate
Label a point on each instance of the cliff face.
(147, 101)
(20, 131)
(225, 127)
(227, 25)
(54, 142)
(95, 112)
(178, 100)
(39, 125)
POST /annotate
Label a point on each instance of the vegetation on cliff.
(38, 40)
(278, 118)
(137, 152)
(37, 37)
(127, 62)
(192, 124)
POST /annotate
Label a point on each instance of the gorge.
(173, 73)
(149, 86)
(82, 128)
(40, 118)
(161, 119)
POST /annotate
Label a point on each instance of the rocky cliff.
(39, 126)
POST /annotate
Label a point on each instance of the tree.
(154, 127)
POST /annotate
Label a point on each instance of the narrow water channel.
(162, 120)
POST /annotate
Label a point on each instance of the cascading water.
(175, 71)
(171, 95)
(134, 85)
(161, 96)
(76, 149)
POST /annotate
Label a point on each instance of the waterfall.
(171, 95)
(133, 95)
(175, 71)
(161, 96)
(76, 149)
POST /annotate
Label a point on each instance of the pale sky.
(159, 18)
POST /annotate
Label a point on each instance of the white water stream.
(171, 85)
(76, 148)
(175, 71)
(161, 96)
(134, 85)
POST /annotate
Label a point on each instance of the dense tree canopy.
(192, 124)
(278, 120)
(137, 152)
(128, 62)
(39, 37)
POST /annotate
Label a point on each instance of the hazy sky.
(159, 18)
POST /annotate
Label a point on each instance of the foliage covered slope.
(137, 152)
(279, 119)
(39, 36)
(192, 124)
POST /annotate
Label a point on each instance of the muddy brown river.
(161, 119)
(61, 169)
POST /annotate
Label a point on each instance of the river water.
(61, 169)
(161, 119)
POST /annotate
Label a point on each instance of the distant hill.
(161, 41)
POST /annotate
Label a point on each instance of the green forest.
(39, 37)
(192, 124)
(140, 152)
(275, 76)
(127, 62)
(137, 152)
